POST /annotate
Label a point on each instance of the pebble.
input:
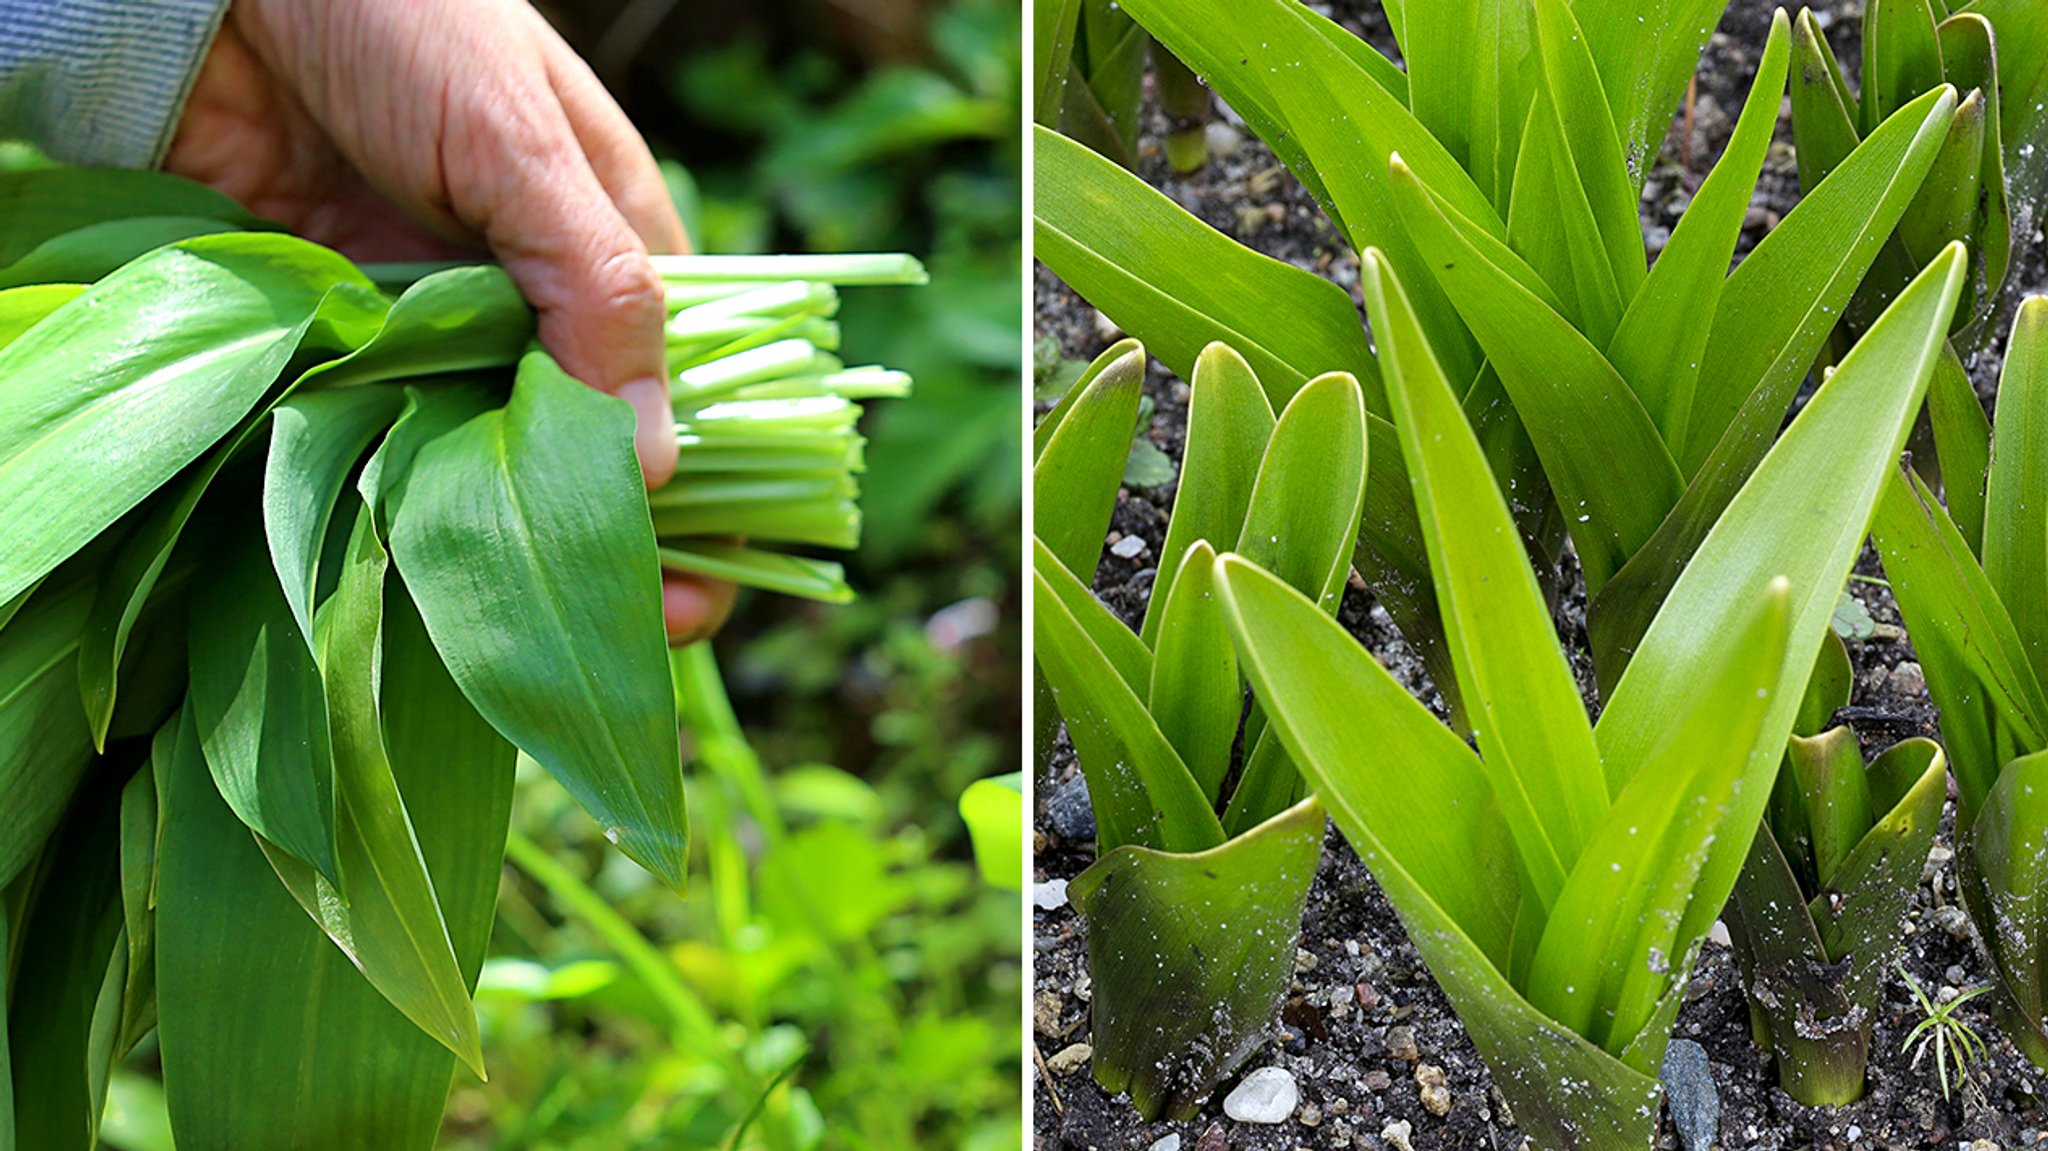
(1068, 1060)
(1953, 920)
(1376, 1080)
(1937, 859)
(1129, 547)
(1167, 1142)
(1045, 1012)
(1222, 138)
(1106, 329)
(1212, 1139)
(1050, 895)
(1401, 1044)
(1396, 1133)
(1689, 1092)
(1267, 1095)
(1984, 1145)
(1908, 679)
(1718, 933)
(1311, 1115)
(1367, 997)
(1436, 1097)
(1069, 810)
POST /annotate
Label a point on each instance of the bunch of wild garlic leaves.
(292, 567)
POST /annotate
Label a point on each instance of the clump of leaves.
(295, 567)
(1191, 917)
(1977, 608)
(1954, 1042)
(1621, 406)
(1816, 911)
(1558, 879)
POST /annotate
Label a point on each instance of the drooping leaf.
(1193, 953)
(526, 543)
(316, 440)
(45, 746)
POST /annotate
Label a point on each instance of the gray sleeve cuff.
(101, 82)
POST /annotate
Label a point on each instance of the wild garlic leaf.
(524, 537)
(130, 382)
(45, 746)
(41, 205)
(24, 308)
(316, 439)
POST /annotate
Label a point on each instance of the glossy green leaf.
(1229, 422)
(1192, 954)
(1824, 111)
(1978, 673)
(1646, 50)
(2016, 493)
(1587, 425)
(1802, 517)
(1127, 655)
(1969, 59)
(2022, 34)
(1195, 694)
(1962, 441)
(85, 437)
(1828, 770)
(7, 946)
(1471, 70)
(1901, 56)
(24, 308)
(316, 440)
(1052, 48)
(1535, 742)
(139, 825)
(1178, 284)
(258, 707)
(1142, 792)
(525, 539)
(96, 250)
(1305, 503)
(1664, 334)
(802, 576)
(40, 205)
(1074, 481)
(993, 810)
(2003, 874)
(45, 746)
(65, 942)
(1593, 160)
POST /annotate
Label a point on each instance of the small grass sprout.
(1952, 1040)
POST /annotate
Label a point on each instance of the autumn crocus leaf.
(1303, 514)
(1195, 695)
(1595, 161)
(524, 538)
(85, 437)
(2016, 533)
(1074, 479)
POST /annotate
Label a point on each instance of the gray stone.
(1267, 1095)
(1689, 1093)
(1167, 1142)
(1069, 810)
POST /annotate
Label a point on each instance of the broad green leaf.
(1191, 954)
(1596, 163)
(1824, 112)
(1052, 49)
(1551, 221)
(1268, 783)
(1962, 441)
(24, 308)
(1180, 285)
(316, 439)
(1453, 878)
(1074, 481)
(1901, 56)
(524, 538)
(43, 204)
(1828, 770)
(245, 1027)
(430, 413)
(45, 746)
(2022, 33)
(1907, 785)
(1781, 302)
(1969, 59)
(7, 946)
(1606, 462)
(87, 435)
(2016, 493)
(1646, 50)
(1471, 68)
(2004, 879)
(1766, 347)
(1534, 739)
(1605, 959)
(456, 320)
(1195, 694)
(96, 250)
(1305, 503)
(1664, 333)
(1229, 422)
(1143, 793)
(1802, 517)
(1978, 673)
(1126, 653)
(65, 943)
(258, 708)
(384, 916)
(1949, 204)
(993, 810)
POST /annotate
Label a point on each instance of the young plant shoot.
(1566, 871)
(1191, 918)
(1816, 913)
(294, 569)
(1979, 622)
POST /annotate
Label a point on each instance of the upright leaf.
(1195, 694)
(1074, 480)
(1303, 514)
(525, 540)
(2016, 494)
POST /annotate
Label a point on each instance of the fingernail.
(654, 432)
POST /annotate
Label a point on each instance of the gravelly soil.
(1359, 982)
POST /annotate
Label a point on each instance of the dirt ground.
(1363, 1013)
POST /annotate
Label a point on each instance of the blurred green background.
(840, 976)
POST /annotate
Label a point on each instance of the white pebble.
(1267, 1095)
(1050, 895)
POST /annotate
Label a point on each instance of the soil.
(1359, 982)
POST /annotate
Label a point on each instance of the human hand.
(420, 129)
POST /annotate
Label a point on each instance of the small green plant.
(1622, 406)
(1952, 1040)
(1815, 914)
(295, 568)
(1191, 917)
(1558, 879)
(1977, 609)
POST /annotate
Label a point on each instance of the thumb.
(588, 275)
